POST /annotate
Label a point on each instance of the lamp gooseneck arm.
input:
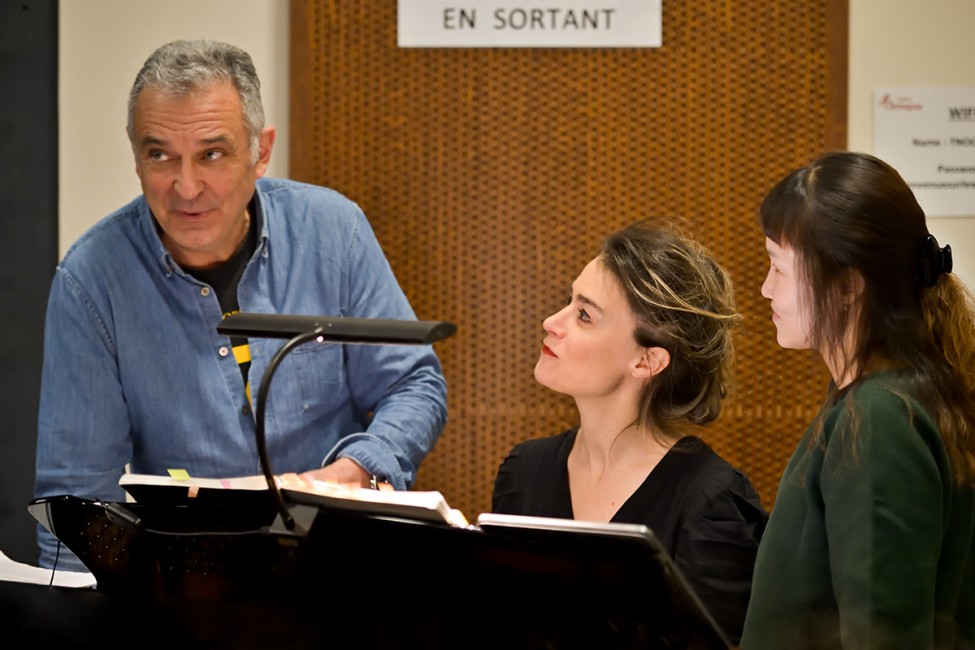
(262, 392)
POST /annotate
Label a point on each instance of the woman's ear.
(852, 287)
(653, 361)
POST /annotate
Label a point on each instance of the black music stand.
(383, 582)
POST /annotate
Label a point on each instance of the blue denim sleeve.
(85, 457)
(402, 386)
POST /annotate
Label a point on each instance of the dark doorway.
(28, 246)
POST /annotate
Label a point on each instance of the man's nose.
(188, 182)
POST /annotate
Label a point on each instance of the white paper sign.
(928, 135)
(528, 23)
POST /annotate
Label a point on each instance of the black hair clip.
(933, 261)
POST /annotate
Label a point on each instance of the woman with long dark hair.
(870, 541)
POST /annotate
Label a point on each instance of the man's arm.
(82, 435)
(401, 385)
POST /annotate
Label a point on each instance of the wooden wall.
(491, 176)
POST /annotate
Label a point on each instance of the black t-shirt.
(225, 277)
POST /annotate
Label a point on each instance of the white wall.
(913, 43)
(104, 42)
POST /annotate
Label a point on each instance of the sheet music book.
(637, 531)
(13, 571)
(429, 506)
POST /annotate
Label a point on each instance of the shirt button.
(223, 351)
(246, 410)
(204, 291)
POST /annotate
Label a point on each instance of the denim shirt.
(135, 372)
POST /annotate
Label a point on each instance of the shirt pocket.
(319, 376)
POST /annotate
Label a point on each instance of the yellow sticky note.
(179, 474)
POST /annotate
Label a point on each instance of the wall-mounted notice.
(528, 23)
(928, 135)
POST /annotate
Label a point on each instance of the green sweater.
(867, 550)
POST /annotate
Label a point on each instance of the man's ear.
(653, 361)
(265, 142)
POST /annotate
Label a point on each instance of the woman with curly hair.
(644, 346)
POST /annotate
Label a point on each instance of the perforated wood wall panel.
(491, 175)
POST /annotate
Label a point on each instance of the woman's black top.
(704, 511)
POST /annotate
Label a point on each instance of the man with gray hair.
(135, 373)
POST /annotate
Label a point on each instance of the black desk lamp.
(301, 329)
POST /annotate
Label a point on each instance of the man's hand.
(346, 472)
(343, 470)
